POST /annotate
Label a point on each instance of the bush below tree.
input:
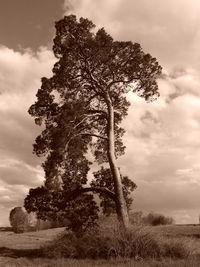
(138, 243)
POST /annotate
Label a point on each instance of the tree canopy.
(82, 105)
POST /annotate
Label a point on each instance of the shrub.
(100, 243)
(157, 219)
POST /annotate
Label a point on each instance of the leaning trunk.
(121, 207)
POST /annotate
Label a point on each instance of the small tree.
(84, 102)
(19, 220)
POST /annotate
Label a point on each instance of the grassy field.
(26, 262)
(23, 249)
(180, 230)
(190, 233)
(30, 240)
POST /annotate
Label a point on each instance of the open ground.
(24, 249)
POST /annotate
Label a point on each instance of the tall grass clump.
(137, 243)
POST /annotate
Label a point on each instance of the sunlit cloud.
(20, 74)
(162, 138)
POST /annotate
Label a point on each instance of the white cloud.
(162, 154)
(170, 35)
(162, 138)
(20, 74)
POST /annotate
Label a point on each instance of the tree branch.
(91, 76)
(87, 134)
(84, 119)
(98, 112)
(92, 134)
(97, 189)
(90, 99)
(122, 81)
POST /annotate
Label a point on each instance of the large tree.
(84, 102)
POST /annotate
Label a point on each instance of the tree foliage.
(19, 220)
(83, 104)
(103, 179)
(54, 205)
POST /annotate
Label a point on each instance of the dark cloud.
(28, 23)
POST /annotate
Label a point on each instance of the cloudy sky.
(162, 138)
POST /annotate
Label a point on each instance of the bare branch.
(87, 116)
(95, 135)
(98, 112)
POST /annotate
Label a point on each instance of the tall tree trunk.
(121, 207)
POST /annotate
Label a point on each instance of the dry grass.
(24, 262)
(137, 243)
(18, 246)
(188, 233)
(30, 240)
(180, 230)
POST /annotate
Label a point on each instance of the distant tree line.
(138, 218)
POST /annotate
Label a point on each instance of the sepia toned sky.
(162, 138)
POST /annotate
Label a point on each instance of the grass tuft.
(137, 243)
